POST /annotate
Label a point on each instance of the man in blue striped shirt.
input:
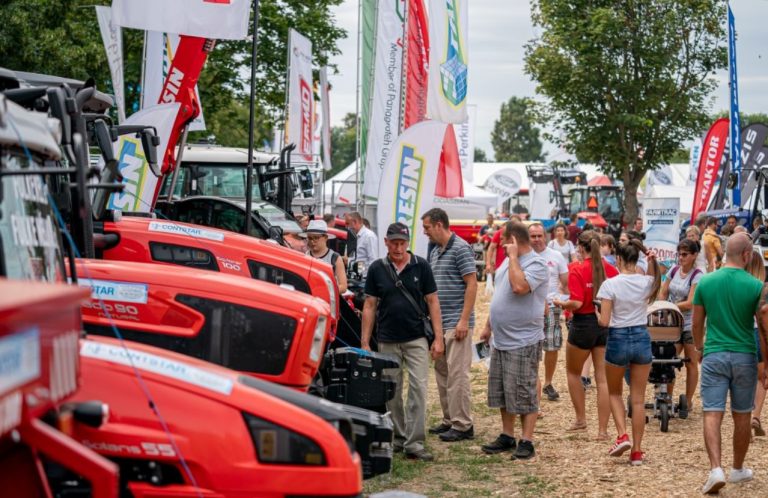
(453, 265)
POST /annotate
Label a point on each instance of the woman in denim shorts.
(629, 344)
(757, 269)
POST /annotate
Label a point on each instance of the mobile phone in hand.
(598, 304)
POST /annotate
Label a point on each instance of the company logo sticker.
(116, 291)
(198, 233)
(410, 177)
(19, 359)
(157, 364)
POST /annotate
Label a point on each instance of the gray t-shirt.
(449, 267)
(679, 288)
(517, 320)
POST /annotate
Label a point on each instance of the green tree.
(61, 37)
(745, 119)
(627, 80)
(515, 138)
(480, 155)
(343, 144)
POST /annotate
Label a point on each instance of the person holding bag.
(401, 298)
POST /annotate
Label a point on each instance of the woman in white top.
(623, 310)
(561, 244)
(317, 240)
(693, 233)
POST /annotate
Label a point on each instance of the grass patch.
(532, 485)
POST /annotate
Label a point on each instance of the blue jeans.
(724, 371)
(628, 345)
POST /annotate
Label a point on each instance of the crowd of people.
(589, 282)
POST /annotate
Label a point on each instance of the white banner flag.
(408, 181)
(112, 36)
(465, 141)
(140, 184)
(386, 95)
(298, 121)
(326, 129)
(217, 19)
(661, 224)
(447, 93)
(160, 49)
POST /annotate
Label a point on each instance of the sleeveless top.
(329, 257)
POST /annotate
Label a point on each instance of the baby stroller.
(665, 326)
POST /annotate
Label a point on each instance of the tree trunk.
(631, 208)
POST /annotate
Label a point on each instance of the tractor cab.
(598, 204)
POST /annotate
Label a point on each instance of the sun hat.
(318, 227)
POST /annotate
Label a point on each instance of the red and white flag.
(709, 164)
(299, 127)
(217, 19)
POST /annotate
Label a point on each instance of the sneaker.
(621, 445)
(500, 444)
(715, 482)
(422, 455)
(439, 429)
(636, 457)
(552, 394)
(452, 435)
(524, 451)
(740, 475)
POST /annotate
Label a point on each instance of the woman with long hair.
(561, 244)
(679, 286)
(757, 269)
(629, 343)
(585, 336)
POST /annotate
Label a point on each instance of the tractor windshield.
(217, 180)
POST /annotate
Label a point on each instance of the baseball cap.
(398, 231)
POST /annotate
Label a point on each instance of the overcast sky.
(497, 33)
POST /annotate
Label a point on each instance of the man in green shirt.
(729, 300)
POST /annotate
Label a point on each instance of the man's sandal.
(757, 427)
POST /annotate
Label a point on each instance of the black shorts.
(585, 333)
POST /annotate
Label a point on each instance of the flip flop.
(757, 427)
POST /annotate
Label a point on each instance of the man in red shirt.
(573, 229)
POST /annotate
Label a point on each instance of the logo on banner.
(306, 119)
(453, 71)
(133, 168)
(410, 177)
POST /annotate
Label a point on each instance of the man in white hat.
(317, 240)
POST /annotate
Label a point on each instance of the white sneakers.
(740, 475)
(715, 482)
(717, 479)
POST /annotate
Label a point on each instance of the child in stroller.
(665, 326)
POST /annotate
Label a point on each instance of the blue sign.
(735, 134)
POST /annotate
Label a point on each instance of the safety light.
(278, 445)
(317, 339)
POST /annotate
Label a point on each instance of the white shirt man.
(367, 247)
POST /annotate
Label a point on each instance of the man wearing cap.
(401, 332)
(317, 240)
(453, 264)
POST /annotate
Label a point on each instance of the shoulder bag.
(429, 333)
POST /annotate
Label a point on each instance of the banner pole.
(358, 120)
(252, 112)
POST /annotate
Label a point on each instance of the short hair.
(356, 216)
(517, 230)
(740, 229)
(701, 219)
(437, 215)
(574, 217)
(537, 224)
(711, 220)
(693, 229)
(733, 216)
(329, 219)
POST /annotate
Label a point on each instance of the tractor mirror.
(149, 142)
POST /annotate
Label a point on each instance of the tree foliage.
(515, 138)
(480, 155)
(343, 144)
(627, 81)
(61, 37)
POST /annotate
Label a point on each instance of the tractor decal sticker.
(116, 291)
(198, 233)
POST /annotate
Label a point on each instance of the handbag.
(429, 333)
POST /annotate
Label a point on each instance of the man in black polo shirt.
(401, 332)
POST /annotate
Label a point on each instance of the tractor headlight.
(331, 285)
(278, 445)
(317, 339)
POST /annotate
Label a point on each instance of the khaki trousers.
(409, 421)
(452, 375)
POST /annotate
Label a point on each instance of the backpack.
(695, 272)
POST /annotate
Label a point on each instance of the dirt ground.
(569, 464)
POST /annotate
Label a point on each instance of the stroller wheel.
(682, 407)
(664, 416)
